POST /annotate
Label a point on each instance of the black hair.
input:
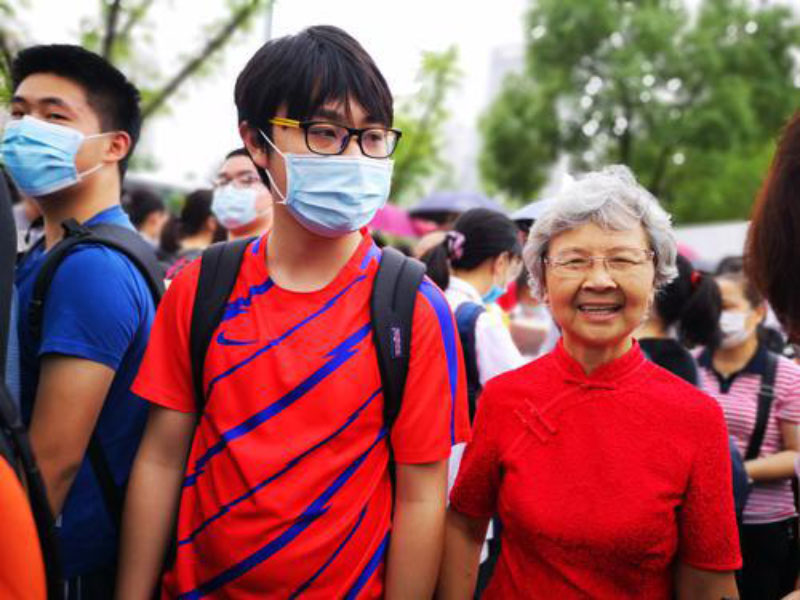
(478, 234)
(732, 267)
(691, 302)
(140, 203)
(237, 152)
(303, 72)
(195, 212)
(113, 98)
(170, 241)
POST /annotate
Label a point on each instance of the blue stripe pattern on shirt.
(448, 331)
(332, 557)
(281, 338)
(314, 511)
(338, 356)
(288, 467)
(240, 305)
(369, 570)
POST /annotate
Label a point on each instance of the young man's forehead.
(49, 87)
(236, 165)
(350, 112)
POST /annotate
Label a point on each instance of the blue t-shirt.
(98, 307)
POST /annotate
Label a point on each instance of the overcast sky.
(190, 142)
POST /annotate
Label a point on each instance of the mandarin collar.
(605, 376)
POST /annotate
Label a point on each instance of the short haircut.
(305, 71)
(140, 203)
(195, 212)
(731, 268)
(238, 152)
(613, 200)
(113, 98)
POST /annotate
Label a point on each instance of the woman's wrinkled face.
(599, 284)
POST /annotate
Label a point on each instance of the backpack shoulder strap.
(8, 253)
(219, 267)
(466, 316)
(129, 243)
(394, 295)
(766, 394)
(124, 240)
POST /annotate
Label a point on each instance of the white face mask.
(733, 324)
(235, 207)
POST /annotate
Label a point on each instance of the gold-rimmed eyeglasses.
(620, 262)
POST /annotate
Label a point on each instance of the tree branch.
(237, 20)
(135, 15)
(111, 29)
(6, 57)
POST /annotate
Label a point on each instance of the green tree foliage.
(692, 102)
(422, 118)
(121, 29)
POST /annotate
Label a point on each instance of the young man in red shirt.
(287, 490)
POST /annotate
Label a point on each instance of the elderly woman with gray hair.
(610, 475)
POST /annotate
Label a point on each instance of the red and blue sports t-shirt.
(287, 490)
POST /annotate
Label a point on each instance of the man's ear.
(119, 146)
(255, 144)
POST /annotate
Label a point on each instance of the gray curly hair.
(612, 199)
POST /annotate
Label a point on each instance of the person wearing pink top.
(734, 373)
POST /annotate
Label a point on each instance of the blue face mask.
(40, 156)
(493, 295)
(234, 207)
(334, 195)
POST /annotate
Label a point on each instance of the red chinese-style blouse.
(602, 481)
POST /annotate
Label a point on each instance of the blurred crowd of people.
(253, 395)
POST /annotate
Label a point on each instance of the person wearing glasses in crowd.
(287, 488)
(242, 203)
(611, 475)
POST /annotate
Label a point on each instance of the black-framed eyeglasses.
(330, 139)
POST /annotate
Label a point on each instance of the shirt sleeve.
(708, 534)
(95, 305)
(787, 403)
(434, 414)
(495, 349)
(165, 375)
(478, 481)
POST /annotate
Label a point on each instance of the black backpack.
(14, 446)
(129, 243)
(394, 294)
(467, 315)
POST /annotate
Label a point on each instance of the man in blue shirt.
(75, 121)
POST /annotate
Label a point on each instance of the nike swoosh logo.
(223, 341)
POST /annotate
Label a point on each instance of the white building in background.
(463, 135)
(711, 242)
